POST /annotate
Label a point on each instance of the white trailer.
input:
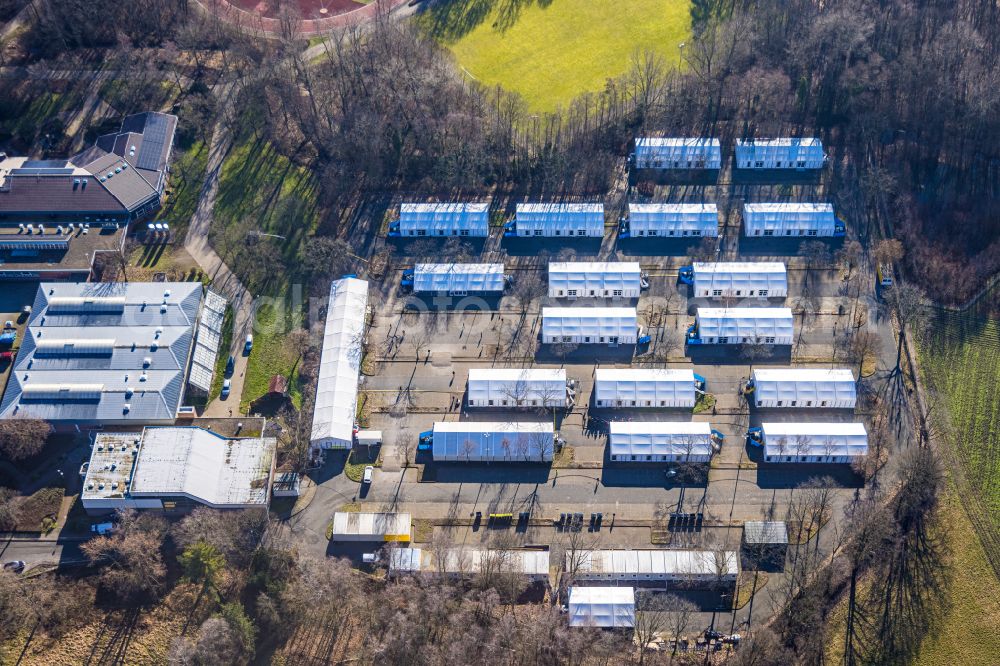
(457, 279)
(611, 326)
(595, 279)
(790, 219)
(644, 387)
(483, 441)
(783, 153)
(811, 442)
(660, 441)
(560, 219)
(677, 153)
(670, 220)
(763, 279)
(695, 567)
(443, 219)
(734, 326)
(517, 387)
(803, 387)
(605, 607)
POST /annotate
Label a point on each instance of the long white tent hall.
(458, 278)
(660, 441)
(560, 219)
(644, 387)
(340, 365)
(444, 219)
(594, 279)
(734, 326)
(804, 387)
(687, 566)
(782, 153)
(481, 441)
(467, 561)
(671, 219)
(517, 387)
(789, 219)
(814, 442)
(762, 279)
(604, 607)
(589, 326)
(677, 153)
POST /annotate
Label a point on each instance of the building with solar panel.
(106, 354)
(56, 215)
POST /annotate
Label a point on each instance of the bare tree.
(888, 251)
(130, 558)
(910, 305)
(23, 437)
(528, 288)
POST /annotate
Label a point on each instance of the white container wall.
(784, 153)
(444, 219)
(814, 442)
(479, 441)
(660, 441)
(733, 326)
(589, 326)
(606, 607)
(552, 219)
(740, 279)
(804, 387)
(517, 387)
(661, 564)
(592, 279)
(642, 387)
(677, 153)
(789, 219)
(675, 219)
(458, 278)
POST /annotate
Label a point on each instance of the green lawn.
(271, 355)
(187, 175)
(550, 51)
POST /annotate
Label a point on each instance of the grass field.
(272, 356)
(550, 51)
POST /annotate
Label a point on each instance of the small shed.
(671, 220)
(278, 386)
(611, 326)
(287, 484)
(761, 279)
(604, 607)
(560, 219)
(677, 153)
(790, 219)
(733, 326)
(781, 153)
(444, 219)
(595, 279)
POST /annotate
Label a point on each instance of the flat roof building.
(604, 607)
(814, 442)
(790, 219)
(644, 387)
(98, 354)
(458, 278)
(584, 325)
(740, 279)
(833, 388)
(692, 567)
(782, 153)
(560, 219)
(444, 219)
(488, 441)
(677, 153)
(660, 441)
(340, 365)
(177, 469)
(733, 326)
(671, 220)
(517, 387)
(594, 279)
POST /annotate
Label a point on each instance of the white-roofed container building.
(666, 220)
(832, 388)
(340, 365)
(695, 567)
(455, 279)
(609, 326)
(677, 153)
(761, 279)
(811, 442)
(782, 153)
(442, 219)
(790, 219)
(661, 441)
(646, 387)
(595, 279)
(466, 561)
(517, 387)
(604, 607)
(734, 326)
(482, 441)
(558, 219)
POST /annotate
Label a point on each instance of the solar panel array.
(154, 138)
(206, 348)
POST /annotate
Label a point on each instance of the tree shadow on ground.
(450, 20)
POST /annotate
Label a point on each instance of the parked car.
(369, 558)
(227, 386)
(8, 324)
(230, 366)
(7, 356)
(248, 345)
(17, 566)
(369, 471)
(102, 528)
